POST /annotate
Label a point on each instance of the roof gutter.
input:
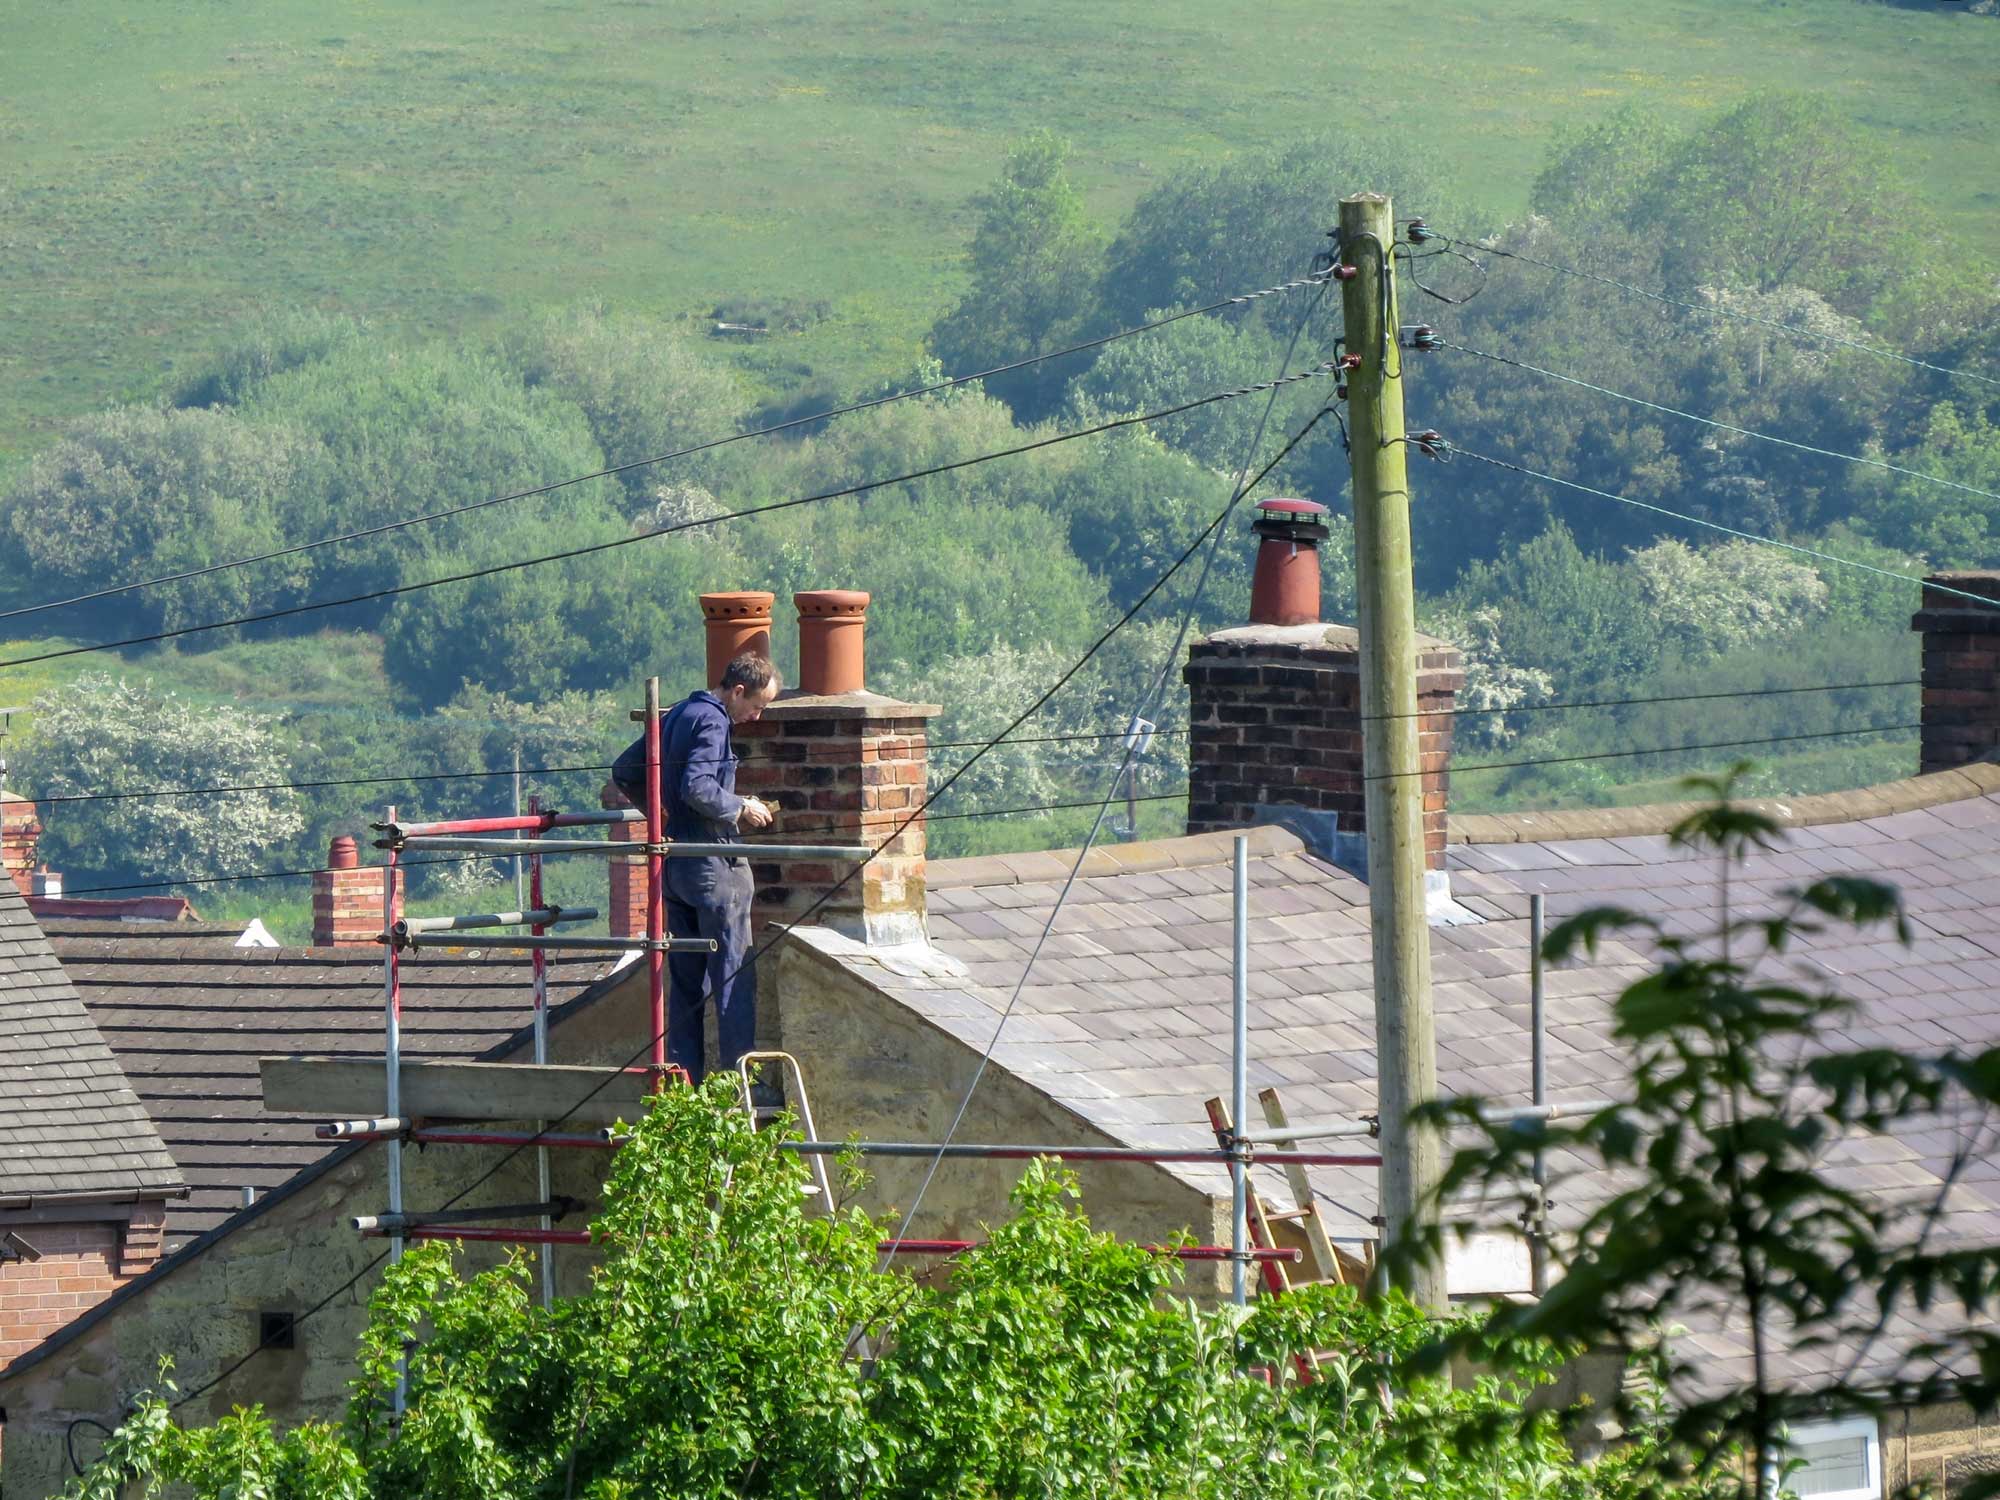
(99, 1195)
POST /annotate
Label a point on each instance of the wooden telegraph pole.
(1405, 1030)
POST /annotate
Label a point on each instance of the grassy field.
(430, 164)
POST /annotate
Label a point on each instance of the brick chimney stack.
(841, 765)
(1961, 692)
(1274, 709)
(347, 898)
(20, 832)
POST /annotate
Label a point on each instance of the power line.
(1564, 760)
(469, 575)
(1794, 329)
(1148, 708)
(1021, 740)
(749, 849)
(1762, 692)
(1453, 450)
(1750, 432)
(641, 463)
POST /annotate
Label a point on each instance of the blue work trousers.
(710, 898)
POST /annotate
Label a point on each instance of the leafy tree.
(1191, 358)
(275, 341)
(1711, 599)
(1595, 174)
(1032, 262)
(1707, 1194)
(138, 491)
(1572, 615)
(643, 390)
(1958, 530)
(100, 736)
(411, 431)
(1254, 219)
(586, 624)
(716, 1353)
(1493, 683)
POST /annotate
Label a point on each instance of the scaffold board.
(342, 1087)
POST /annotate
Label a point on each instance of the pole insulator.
(1422, 336)
(1345, 273)
(1417, 232)
(1348, 362)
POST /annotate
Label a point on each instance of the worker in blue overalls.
(707, 897)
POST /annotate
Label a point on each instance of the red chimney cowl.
(344, 854)
(1285, 588)
(738, 621)
(832, 626)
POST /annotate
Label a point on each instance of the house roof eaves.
(1935, 789)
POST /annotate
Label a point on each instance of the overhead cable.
(1715, 310)
(846, 491)
(694, 448)
(1455, 451)
(1749, 432)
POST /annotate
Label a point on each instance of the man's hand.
(755, 814)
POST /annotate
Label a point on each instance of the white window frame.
(1801, 1433)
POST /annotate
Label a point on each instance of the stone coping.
(1917, 792)
(1319, 636)
(861, 704)
(1109, 859)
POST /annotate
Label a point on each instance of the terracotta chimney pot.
(344, 854)
(738, 621)
(1285, 587)
(832, 626)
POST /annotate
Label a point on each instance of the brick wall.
(20, 830)
(1275, 721)
(846, 769)
(1961, 692)
(347, 906)
(82, 1264)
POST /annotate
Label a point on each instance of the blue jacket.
(697, 771)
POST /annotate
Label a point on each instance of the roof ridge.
(1179, 853)
(1912, 794)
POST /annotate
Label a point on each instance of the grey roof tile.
(72, 1123)
(187, 1016)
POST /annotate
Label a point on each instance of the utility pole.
(1393, 789)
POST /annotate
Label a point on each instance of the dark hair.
(748, 671)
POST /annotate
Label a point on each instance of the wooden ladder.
(1324, 1263)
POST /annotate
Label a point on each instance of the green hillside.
(433, 164)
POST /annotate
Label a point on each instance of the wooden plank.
(347, 1088)
(1325, 1262)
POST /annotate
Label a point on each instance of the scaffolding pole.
(653, 848)
(540, 960)
(392, 1102)
(1239, 1074)
(980, 1151)
(656, 888)
(382, 1130)
(501, 1234)
(567, 944)
(536, 916)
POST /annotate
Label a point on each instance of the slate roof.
(188, 1018)
(69, 1123)
(1126, 1018)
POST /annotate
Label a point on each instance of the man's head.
(748, 685)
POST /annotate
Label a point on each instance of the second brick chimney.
(1274, 709)
(20, 832)
(347, 898)
(1961, 692)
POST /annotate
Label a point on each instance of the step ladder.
(1324, 1262)
(795, 1089)
(761, 1115)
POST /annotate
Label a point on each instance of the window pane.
(1836, 1465)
